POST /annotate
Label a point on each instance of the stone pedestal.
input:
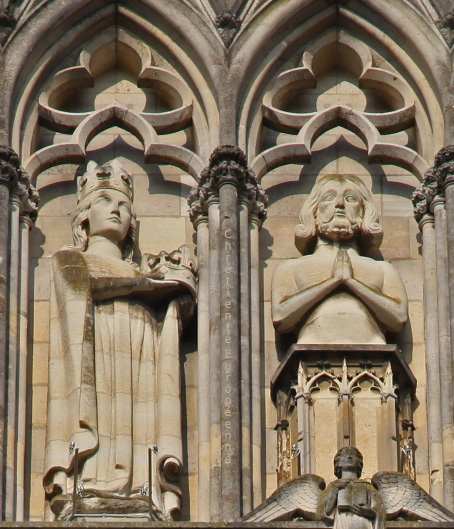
(330, 396)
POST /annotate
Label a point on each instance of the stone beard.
(341, 228)
(334, 293)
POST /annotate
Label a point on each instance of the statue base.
(100, 509)
(330, 396)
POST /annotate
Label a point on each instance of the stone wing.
(299, 498)
(402, 495)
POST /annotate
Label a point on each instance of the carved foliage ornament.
(18, 181)
(227, 164)
(227, 24)
(436, 179)
(446, 26)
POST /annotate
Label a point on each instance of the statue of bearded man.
(335, 293)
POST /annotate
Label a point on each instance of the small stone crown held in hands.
(177, 265)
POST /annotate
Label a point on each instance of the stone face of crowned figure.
(335, 292)
(114, 341)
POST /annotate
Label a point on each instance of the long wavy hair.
(371, 233)
(81, 229)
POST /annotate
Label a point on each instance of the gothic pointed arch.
(61, 54)
(351, 31)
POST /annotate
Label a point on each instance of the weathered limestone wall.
(302, 91)
(160, 204)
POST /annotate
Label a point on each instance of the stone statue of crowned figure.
(114, 366)
(336, 292)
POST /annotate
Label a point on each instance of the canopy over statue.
(336, 292)
(114, 367)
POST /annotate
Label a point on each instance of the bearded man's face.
(339, 212)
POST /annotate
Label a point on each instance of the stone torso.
(341, 317)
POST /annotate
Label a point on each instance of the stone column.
(228, 194)
(345, 435)
(16, 195)
(26, 223)
(444, 173)
(434, 210)
(438, 362)
(256, 382)
(6, 176)
(13, 350)
(214, 361)
(204, 214)
(245, 352)
(231, 489)
(303, 400)
(203, 298)
(387, 457)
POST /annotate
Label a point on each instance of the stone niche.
(330, 396)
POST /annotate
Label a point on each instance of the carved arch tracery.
(84, 126)
(397, 113)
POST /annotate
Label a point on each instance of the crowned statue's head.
(104, 207)
(348, 458)
(339, 208)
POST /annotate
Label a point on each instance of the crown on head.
(108, 176)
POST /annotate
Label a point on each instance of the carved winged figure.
(350, 502)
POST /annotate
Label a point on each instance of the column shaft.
(231, 490)
(215, 364)
(245, 347)
(4, 253)
(447, 404)
(256, 368)
(13, 350)
(25, 226)
(203, 297)
(437, 330)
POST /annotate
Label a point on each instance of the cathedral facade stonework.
(226, 256)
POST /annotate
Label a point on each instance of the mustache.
(344, 225)
(345, 214)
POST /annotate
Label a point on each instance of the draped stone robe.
(114, 386)
(334, 505)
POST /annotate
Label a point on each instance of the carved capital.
(27, 194)
(17, 181)
(435, 182)
(424, 194)
(9, 167)
(444, 167)
(227, 165)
